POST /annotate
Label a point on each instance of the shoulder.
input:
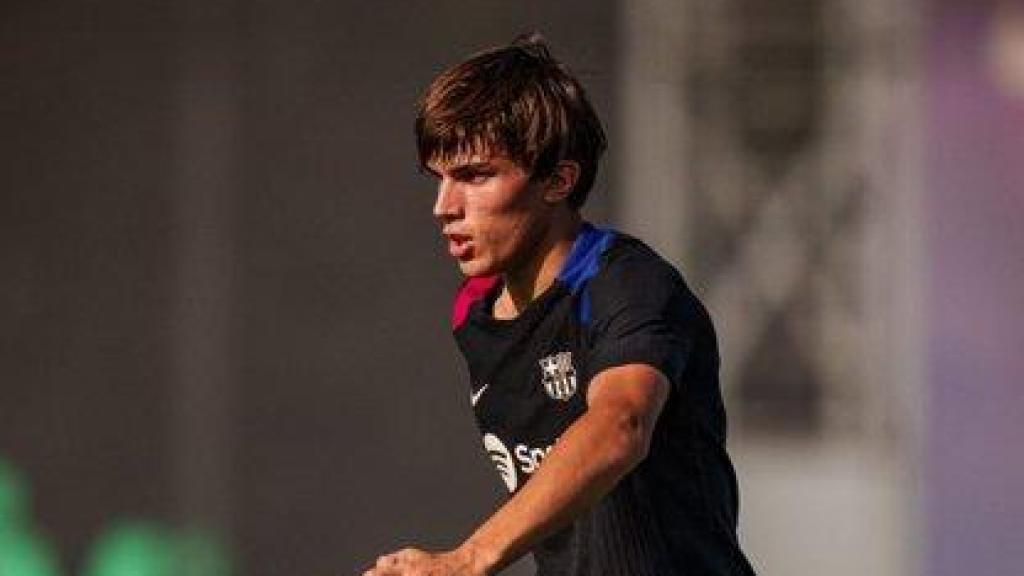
(632, 270)
(630, 255)
(639, 310)
(637, 290)
(606, 256)
(611, 272)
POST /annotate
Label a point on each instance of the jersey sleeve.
(641, 312)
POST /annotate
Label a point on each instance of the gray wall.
(222, 296)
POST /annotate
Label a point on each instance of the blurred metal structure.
(788, 132)
(207, 175)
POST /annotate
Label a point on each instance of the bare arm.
(594, 453)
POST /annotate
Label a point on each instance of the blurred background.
(224, 339)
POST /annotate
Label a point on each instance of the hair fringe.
(515, 100)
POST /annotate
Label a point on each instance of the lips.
(459, 246)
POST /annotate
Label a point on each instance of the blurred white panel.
(650, 195)
(774, 155)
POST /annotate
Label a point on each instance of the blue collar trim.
(585, 257)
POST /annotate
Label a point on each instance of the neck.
(528, 282)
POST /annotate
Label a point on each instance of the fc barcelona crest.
(558, 375)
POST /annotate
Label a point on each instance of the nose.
(448, 205)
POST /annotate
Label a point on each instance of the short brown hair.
(516, 100)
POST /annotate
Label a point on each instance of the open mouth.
(459, 246)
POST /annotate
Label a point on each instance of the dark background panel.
(84, 254)
(344, 399)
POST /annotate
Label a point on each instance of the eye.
(474, 175)
(480, 175)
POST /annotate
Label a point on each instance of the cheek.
(504, 213)
(509, 233)
(504, 219)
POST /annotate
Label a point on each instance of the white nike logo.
(474, 397)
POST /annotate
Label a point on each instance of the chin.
(476, 268)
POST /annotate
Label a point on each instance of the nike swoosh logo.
(474, 397)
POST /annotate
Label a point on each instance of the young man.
(594, 370)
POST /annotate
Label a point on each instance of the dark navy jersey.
(614, 302)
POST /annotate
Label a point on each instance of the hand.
(413, 562)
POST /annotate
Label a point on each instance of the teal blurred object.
(25, 554)
(22, 551)
(132, 549)
(139, 548)
(14, 497)
(125, 548)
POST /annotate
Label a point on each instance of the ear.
(562, 181)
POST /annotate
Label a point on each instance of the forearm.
(588, 460)
(590, 457)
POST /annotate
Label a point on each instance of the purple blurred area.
(975, 206)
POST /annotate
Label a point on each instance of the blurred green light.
(24, 554)
(131, 549)
(148, 549)
(125, 548)
(14, 497)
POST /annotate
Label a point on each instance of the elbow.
(627, 400)
(632, 441)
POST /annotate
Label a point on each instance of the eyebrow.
(471, 167)
(463, 169)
